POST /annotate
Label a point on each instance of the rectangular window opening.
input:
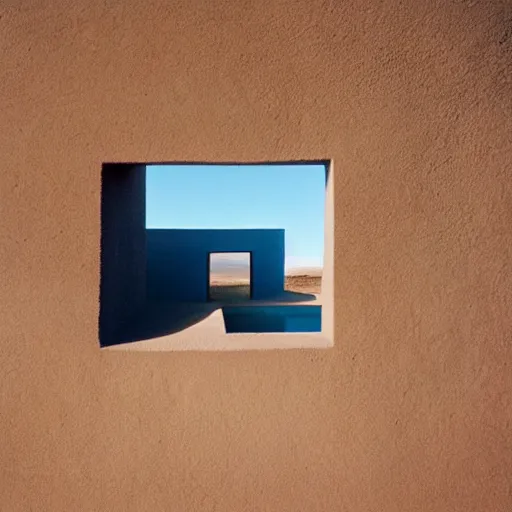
(204, 256)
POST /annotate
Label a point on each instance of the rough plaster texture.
(411, 409)
(178, 261)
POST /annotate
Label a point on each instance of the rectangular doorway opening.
(229, 276)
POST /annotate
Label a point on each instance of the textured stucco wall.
(411, 409)
(177, 261)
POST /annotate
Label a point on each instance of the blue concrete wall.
(123, 246)
(177, 260)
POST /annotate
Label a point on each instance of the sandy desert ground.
(303, 284)
(225, 286)
(229, 277)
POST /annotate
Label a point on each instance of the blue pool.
(273, 319)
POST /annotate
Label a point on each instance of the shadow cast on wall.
(158, 319)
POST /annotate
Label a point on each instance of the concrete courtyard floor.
(200, 326)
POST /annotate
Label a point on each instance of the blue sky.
(251, 196)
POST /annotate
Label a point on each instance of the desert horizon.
(302, 280)
(236, 265)
(232, 277)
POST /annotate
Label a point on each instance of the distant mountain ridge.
(304, 271)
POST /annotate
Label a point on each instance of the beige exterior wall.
(411, 409)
